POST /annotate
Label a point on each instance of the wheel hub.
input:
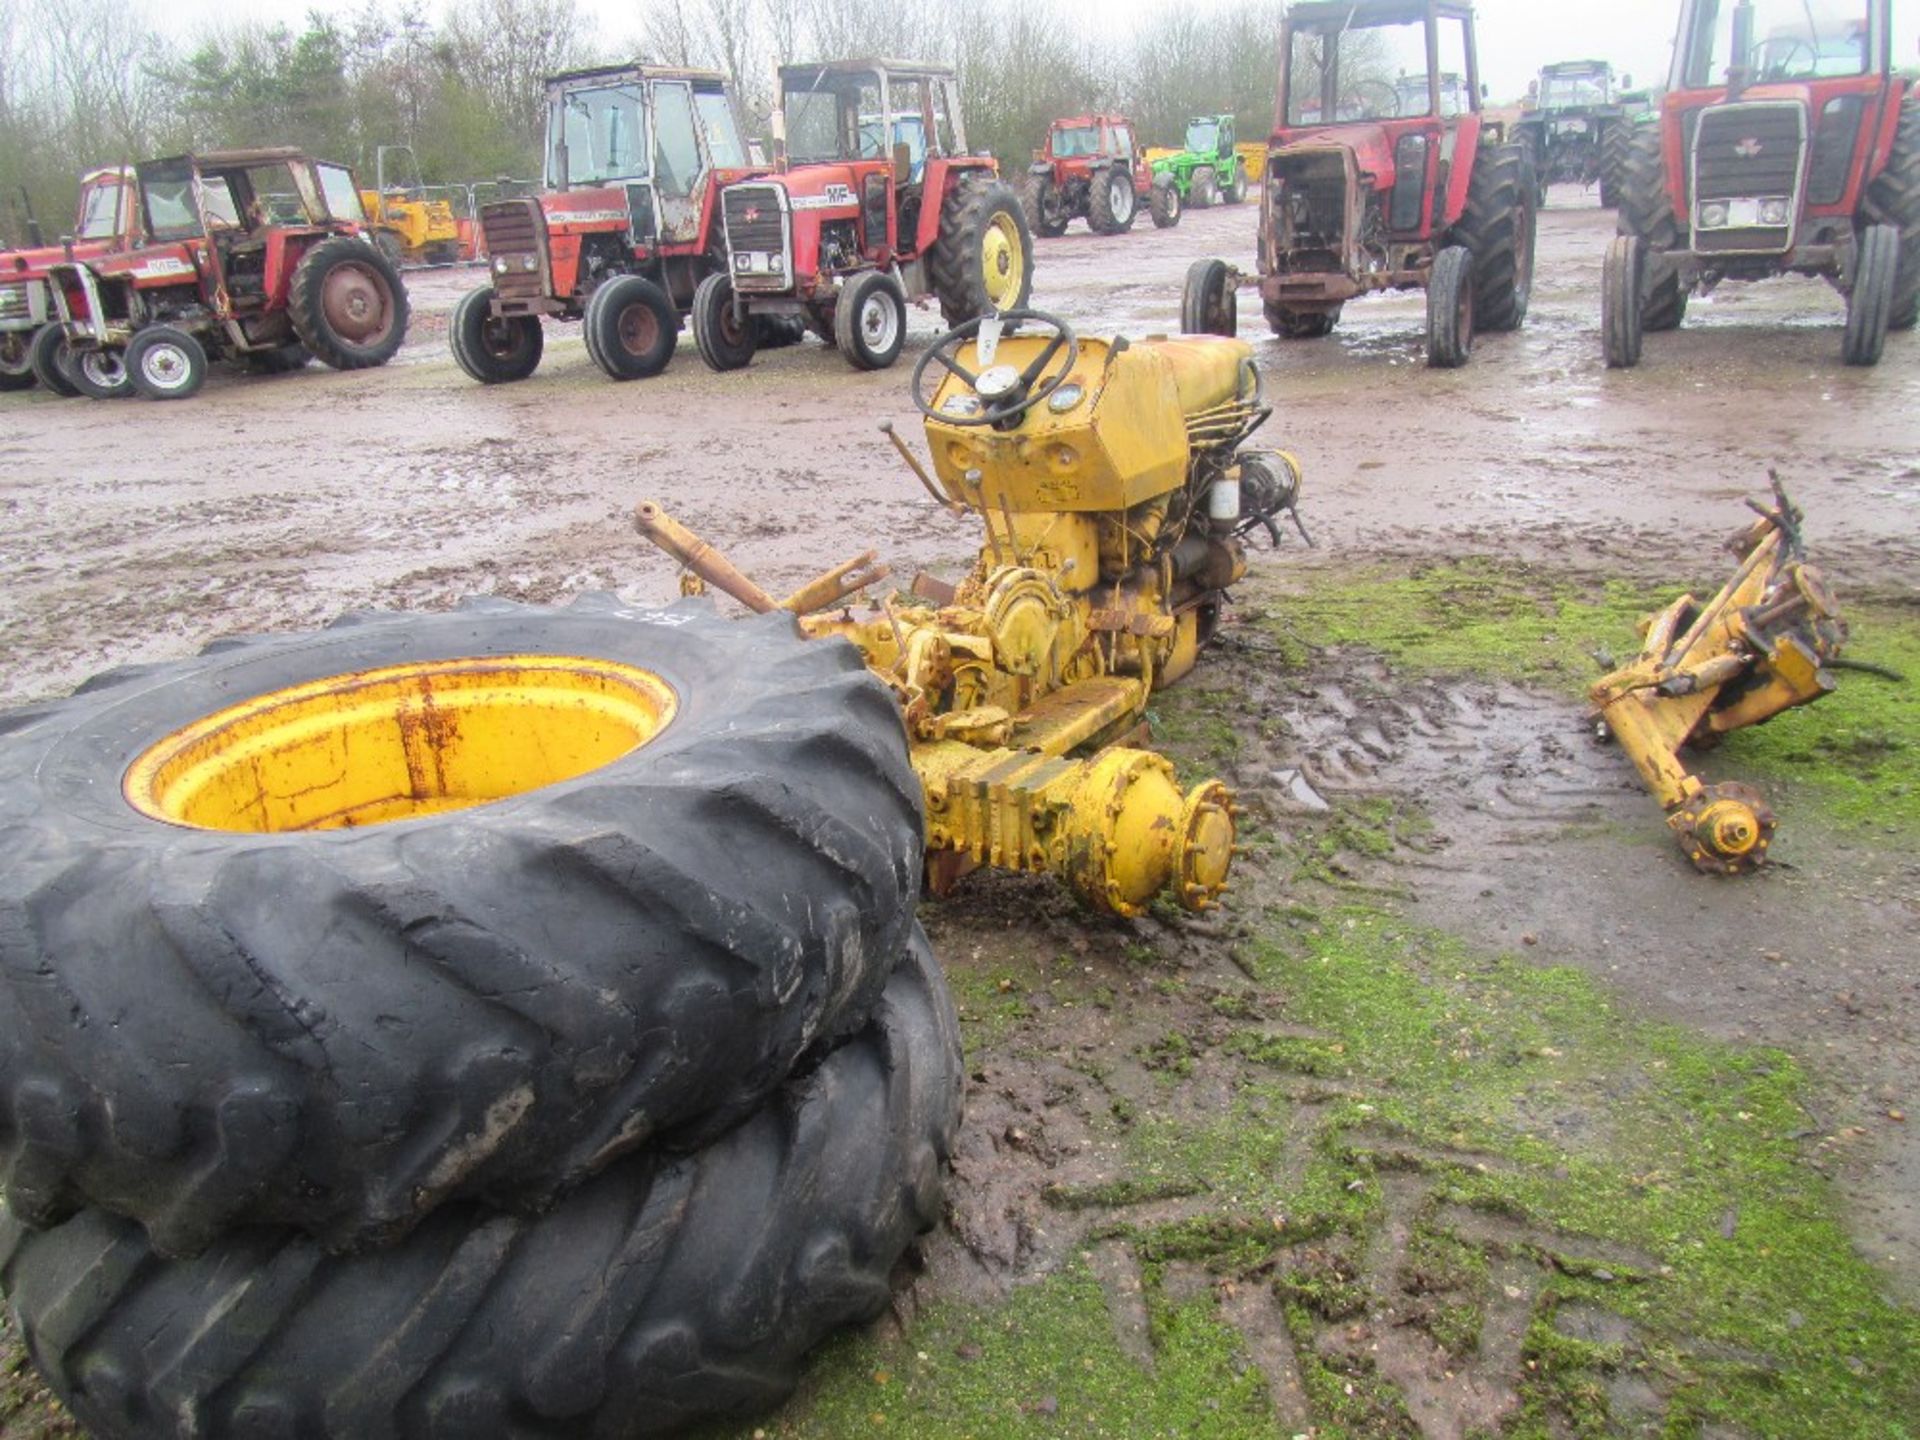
(355, 303)
(165, 366)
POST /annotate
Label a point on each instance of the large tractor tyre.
(1876, 277)
(1164, 203)
(16, 361)
(1203, 191)
(1235, 192)
(777, 332)
(983, 255)
(166, 363)
(100, 372)
(1623, 279)
(1209, 301)
(1452, 303)
(1646, 211)
(1040, 203)
(1500, 226)
(1290, 324)
(281, 360)
(1614, 145)
(870, 321)
(1111, 203)
(1894, 199)
(494, 350)
(727, 339)
(429, 907)
(52, 360)
(348, 304)
(390, 245)
(631, 328)
(663, 1292)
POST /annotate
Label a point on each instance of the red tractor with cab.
(1785, 145)
(1404, 187)
(875, 202)
(260, 256)
(624, 231)
(105, 219)
(1092, 169)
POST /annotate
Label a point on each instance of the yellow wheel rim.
(376, 746)
(1003, 261)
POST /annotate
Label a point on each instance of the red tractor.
(876, 202)
(106, 219)
(1091, 169)
(1803, 158)
(1406, 187)
(260, 256)
(624, 232)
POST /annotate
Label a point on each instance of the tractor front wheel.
(1040, 202)
(166, 363)
(1451, 302)
(494, 349)
(1499, 226)
(1291, 324)
(1876, 276)
(1209, 302)
(1646, 211)
(101, 373)
(52, 360)
(1111, 203)
(16, 361)
(726, 338)
(631, 328)
(1623, 284)
(983, 258)
(1236, 190)
(1204, 189)
(870, 321)
(348, 304)
(1164, 204)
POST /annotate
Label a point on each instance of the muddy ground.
(1464, 815)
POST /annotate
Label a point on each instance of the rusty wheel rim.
(639, 329)
(16, 355)
(355, 301)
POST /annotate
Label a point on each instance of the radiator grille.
(1748, 152)
(513, 230)
(13, 303)
(755, 219)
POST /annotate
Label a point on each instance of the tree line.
(84, 84)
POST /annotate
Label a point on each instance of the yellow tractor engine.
(1116, 500)
(406, 223)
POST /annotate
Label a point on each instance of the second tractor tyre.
(726, 339)
(100, 373)
(1451, 302)
(1204, 188)
(1111, 204)
(348, 304)
(1646, 211)
(983, 257)
(494, 350)
(16, 361)
(52, 360)
(663, 1292)
(1500, 226)
(166, 364)
(632, 328)
(1236, 190)
(1040, 202)
(1209, 301)
(1290, 324)
(1876, 270)
(870, 321)
(1894, 199)
(1163, 203)
(1623, 277)
(327, 930)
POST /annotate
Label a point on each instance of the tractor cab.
(1575, 85)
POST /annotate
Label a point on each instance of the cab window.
(717, 123)
(100, 212)
(677, 166)
(341, 194)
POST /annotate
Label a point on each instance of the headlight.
(1714, 215)
(1775, 212)
(529, 263)
(1065, 398)
(776, 263)
(499, 264)
(741, 262)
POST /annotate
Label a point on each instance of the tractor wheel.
(632, 328)
(1291, 324)
(777, 332)
(1614, 145)
(870, 321)
(494, 350)
(1500, 225)
(1203, 190)
(348, 304)
(52, 360)
(1164, 203)
(281, 360)
(1894, 199)
(1623, 281)
(1111, 203)
(1876, 278)
(166, 363)
(983, 257)
(331, 930)
(101, 373)
(1452, 299)
(726, 339)
(662, 1292)
(1209, 301)
(443, 252)
(1040, 203)
(16, 361)
(390, 246)
(1236, 191)
(1646, 211)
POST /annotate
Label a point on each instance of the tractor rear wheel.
(1163, 203)
(494, 349)
(1614, 144)
(1236, 190)
(1040, 203)
(1203, 190)
(1894, 199)
(870, 321)
(1646, 211)
(166, 363)
(1500, 226)
(1876, 277)
(348, 304)
(52, 360)
(1452, 298)
(662, 1292)
(726, 338)
(590, 877)
(982, 260)
(1209, 301)
(1111, 203)
(1290, 324)
(101, 373)
(16, 361)
(281, 360)
(1623, 280)
(632, 328)
(777, 332)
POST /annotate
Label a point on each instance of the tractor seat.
(1206, 369)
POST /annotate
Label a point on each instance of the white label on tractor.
(155, 269)
(585, 217)
(834, 195)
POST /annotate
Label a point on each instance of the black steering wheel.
(1004, 392)
(1781, 66)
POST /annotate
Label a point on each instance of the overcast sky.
(1516, 36)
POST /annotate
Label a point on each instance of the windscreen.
(605, 134)
(1792, 40)
(823, 115)
(1357, 72)
(100, 212)
(341, 194)
(1202, 136)
(1565, 92)
(167, 191)
(1072, 141)
(722, 130)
